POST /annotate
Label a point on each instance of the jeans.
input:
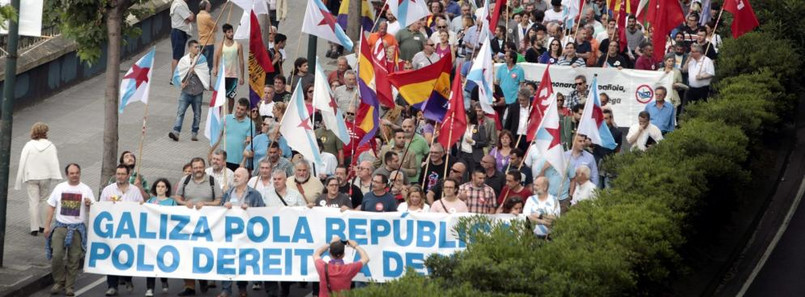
(65, 273)
(185, 100)
(226, 286)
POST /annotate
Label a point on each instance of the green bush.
(756, 51)
(628, 240)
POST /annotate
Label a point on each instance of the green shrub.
(756, 51)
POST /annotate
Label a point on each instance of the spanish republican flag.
(426, 88)
(367, 15)
(368, 115)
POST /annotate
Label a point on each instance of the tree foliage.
(7, 13)
(85, 22)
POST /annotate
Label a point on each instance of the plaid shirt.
(479, 200)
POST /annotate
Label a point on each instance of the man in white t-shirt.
(70, 202)
(643, 134)
(542, 208)
(262, 183)
(281, 195)
(120, 191)
(585, 189)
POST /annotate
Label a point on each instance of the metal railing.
(27, 42)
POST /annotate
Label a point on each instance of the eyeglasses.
(579, 83)
(430, 44)
(350, 113)
(441, 27)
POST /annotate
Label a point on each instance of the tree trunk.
(114, 23)
(354, 20)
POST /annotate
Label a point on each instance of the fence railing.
(27, 42)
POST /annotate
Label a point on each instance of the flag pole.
(408, 146)
(427, 160)
(215, 24)
(449, 140)
(142, 139)
(578, 23)
(715, 27)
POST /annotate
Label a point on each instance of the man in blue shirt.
(239, 131)
(662, 112)
(577, 156)
(510, 77)
(378, 199)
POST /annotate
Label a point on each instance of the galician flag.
(297, 127)
(324, 102)
(481, 75)
(319, 21)
(592, 123)
(136, 83)
(408, 11)
(548, 141)
(215, 123)
(540, 103)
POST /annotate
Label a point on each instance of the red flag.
(456, 118)
(493, 22)
(664, 16)
(743, 17)
(382, 84)
(539, 104)
(256, 46)
(622, 27)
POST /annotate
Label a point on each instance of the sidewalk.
(75, 118)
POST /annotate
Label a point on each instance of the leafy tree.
(93, 24)
(6, 13)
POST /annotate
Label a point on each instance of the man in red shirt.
(336, 276)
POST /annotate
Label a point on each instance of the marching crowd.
(491, 169)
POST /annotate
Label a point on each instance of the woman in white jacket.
(38, 169)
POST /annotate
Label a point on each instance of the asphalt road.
(95, 285)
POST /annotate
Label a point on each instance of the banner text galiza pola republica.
(258, 243)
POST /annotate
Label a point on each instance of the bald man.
(542, 208)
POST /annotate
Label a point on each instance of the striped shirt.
(536, 206)
(479, 199)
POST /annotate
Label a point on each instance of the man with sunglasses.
(425, 57)
(443, 26)
(456, 173)
(579, 95)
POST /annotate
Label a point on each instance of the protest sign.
(629, 90)
(264, 243)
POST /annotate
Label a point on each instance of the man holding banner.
(120, 191)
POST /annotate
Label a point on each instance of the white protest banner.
(629, 90)
(258, 244)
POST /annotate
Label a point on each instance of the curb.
(32, 286)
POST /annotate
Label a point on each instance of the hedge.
(628, 240)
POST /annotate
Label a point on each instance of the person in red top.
(335, 276)
(646, 60)
(513, 187)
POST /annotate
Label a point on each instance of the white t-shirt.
(548, 207)
(403, 207)
(553, 16)
(257, 184)
(292, 198)
(583, 192)
(113, 193)
(640, 144)
(179, 12)
(69, 202)
(705, 66)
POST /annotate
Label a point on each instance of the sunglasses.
(441, 27)
(350, 113)
(579, 83)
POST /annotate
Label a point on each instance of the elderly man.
(643, 134)
(456, 173)
(442, 26)
(262, 182)
(338, 74)
(303, 181)
(282, 195)
(480, 198)
(243, 196)
(219, 171)
(661, 112)
(558, 183)
(346, 95)
(427, 56)
(579, 94)
(457, 24)
(542, 208)
(418, 145)
(585, 188)
(383, 35)
(515, 119)
(435, 167)
(363, 176)
(700, 70)
(70, 203)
